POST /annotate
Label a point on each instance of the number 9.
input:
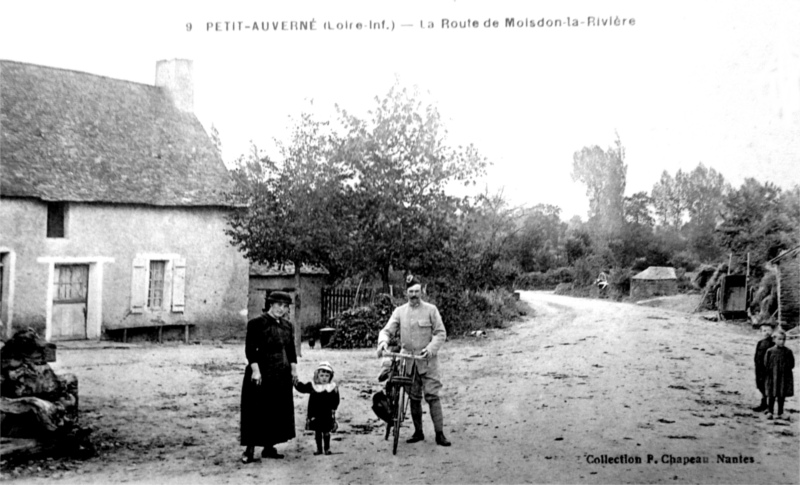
(189, 27)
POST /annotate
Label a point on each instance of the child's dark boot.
(327, 440)
(318, 440)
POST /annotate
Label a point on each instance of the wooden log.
(20, 379)
(31, 417)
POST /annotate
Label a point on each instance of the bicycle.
(399, 379)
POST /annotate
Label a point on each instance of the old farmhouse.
(112, 208)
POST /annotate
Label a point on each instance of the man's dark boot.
(438, 421)
(416, 417)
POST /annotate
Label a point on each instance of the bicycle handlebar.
(400, 354)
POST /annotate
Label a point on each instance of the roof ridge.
(75, 71)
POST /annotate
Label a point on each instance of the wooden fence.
(337, 300)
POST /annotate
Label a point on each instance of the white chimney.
(175, 75)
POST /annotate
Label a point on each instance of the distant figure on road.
(421, 333)
(780, 382)
(267, 398)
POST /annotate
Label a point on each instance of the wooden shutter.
(138, 285)
(178, 285)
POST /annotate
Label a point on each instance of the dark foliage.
(359, 327)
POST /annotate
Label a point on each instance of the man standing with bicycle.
(421, 333)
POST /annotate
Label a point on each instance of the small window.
(71, 283)
(155, 292)
(56, 219)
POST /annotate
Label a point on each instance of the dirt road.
(576, 394)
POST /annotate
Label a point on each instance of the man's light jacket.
(420, 328)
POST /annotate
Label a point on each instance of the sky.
(712, 82)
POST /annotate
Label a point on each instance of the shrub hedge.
(462, 312)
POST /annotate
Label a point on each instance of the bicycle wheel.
(398, 407)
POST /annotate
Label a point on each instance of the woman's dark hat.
(279, 297)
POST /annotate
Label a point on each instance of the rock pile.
(38, 409)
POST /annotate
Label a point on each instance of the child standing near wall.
(323, 400)
(779, 384)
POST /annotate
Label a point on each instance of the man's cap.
(412, 280)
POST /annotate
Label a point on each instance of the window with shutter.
(155, 287)
(138, 285)
(159, 283)
(178, 285)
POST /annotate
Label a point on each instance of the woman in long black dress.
(267, 399)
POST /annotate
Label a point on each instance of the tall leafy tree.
(603, 172)
(295, 209)
(669, 200)
(482, 236)
(637, 210)
(704, 192)
(758, 218)
(536, 246)
(402, 166)
(636, 238)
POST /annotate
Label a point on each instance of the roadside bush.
(587, 269)
(462, 311)
(683, 260)
(564, 274)
(359, 327)
(535, 280)
(466, 310)
(619, 283)
(505, 273)
(545, 281)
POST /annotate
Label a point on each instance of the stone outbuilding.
(265, 279)
(654, 281)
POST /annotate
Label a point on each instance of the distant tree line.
(369, 197)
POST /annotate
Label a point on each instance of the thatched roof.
(78, 137)
(657, 273)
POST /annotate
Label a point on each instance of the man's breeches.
(423, 384)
